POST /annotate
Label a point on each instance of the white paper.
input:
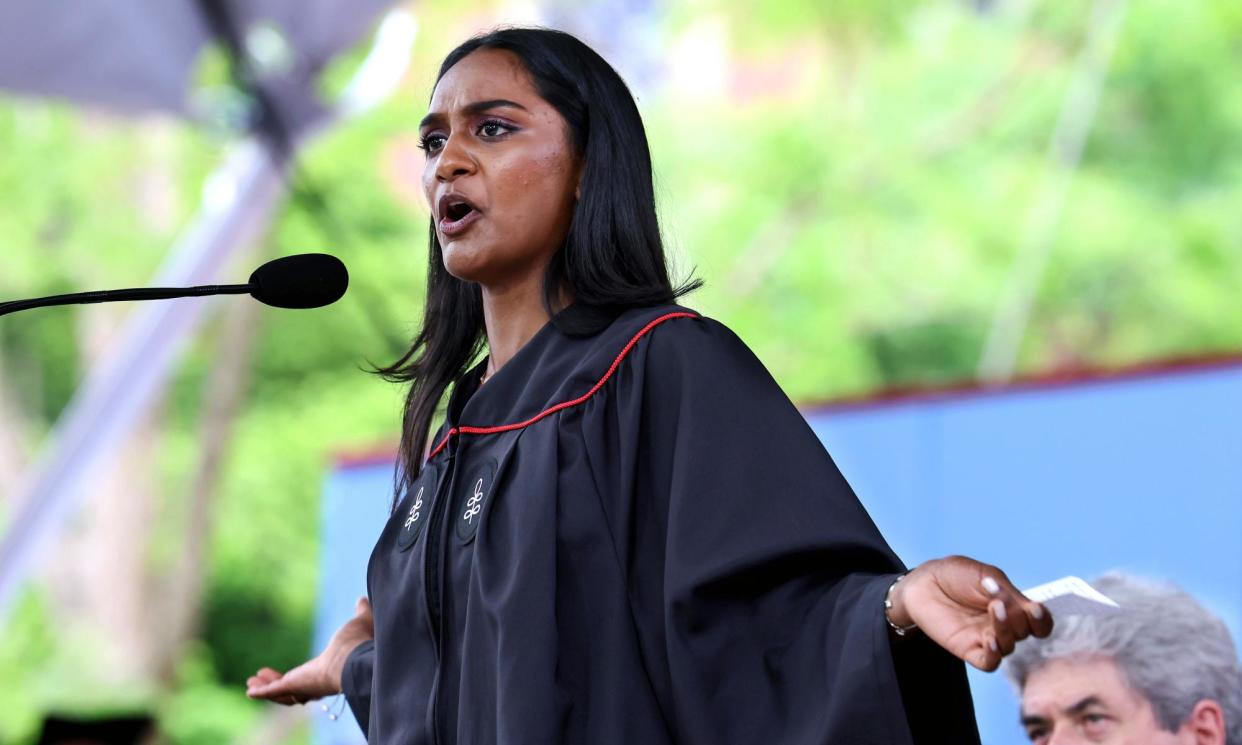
(1071, 596)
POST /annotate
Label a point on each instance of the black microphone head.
(302, 281)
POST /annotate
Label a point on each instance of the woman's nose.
(454, 160)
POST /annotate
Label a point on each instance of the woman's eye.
(493, 128)
(431, 143)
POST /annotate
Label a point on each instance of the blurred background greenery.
(869, 189)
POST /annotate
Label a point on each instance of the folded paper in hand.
(1071, 596)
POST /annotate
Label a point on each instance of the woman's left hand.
(969, 608)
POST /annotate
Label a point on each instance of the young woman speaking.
(623, 532)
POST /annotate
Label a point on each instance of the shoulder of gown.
(771, 574)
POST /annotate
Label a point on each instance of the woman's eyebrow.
(477, 107)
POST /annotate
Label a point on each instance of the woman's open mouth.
(456, 216)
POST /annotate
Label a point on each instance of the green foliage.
(245, 627)
(1174, 111)
(40, 361)
(28, 649)
(883, 215)
(201, 711)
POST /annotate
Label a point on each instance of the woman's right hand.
(320, 676)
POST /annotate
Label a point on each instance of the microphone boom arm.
(112, 296)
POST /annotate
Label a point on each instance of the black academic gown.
(629, 535)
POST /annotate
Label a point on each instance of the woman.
(624, 532)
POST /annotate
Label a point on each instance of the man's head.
(1163, 671)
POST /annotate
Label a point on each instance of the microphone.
(301, 281)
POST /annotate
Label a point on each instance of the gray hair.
(1168, 647)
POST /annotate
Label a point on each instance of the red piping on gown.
(471, 430)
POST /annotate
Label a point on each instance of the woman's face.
(501, 172)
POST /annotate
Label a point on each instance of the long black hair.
(612, 258)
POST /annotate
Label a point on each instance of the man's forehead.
(1062, 684)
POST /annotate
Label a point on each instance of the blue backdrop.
(1141, 473)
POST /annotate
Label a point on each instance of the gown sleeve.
(773, 576)
(356, 682)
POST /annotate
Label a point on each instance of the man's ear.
(1206, 723)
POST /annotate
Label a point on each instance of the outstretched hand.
(969, 608)
(320, 676)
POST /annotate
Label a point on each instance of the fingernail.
(1038, 611)
(993, 645)
(990, 585)
(1001, 613)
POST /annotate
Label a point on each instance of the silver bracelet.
(334, 713)
(888, 606)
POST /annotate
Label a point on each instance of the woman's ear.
(1206, 723)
